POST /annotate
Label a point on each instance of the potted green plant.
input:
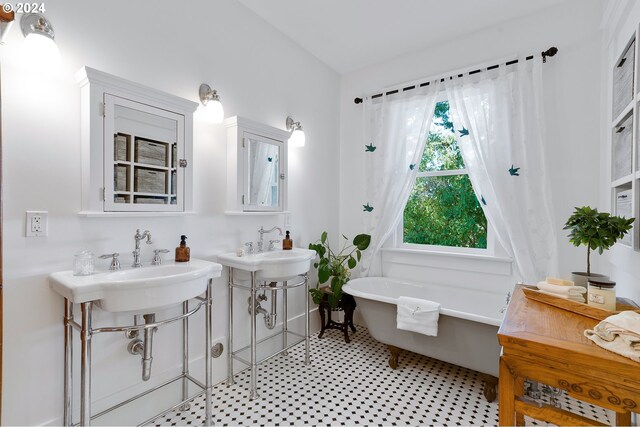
(336, 266)
(595, 230)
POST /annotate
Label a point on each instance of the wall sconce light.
(297, 138)
(40, 43)
(211, 101)
(6, 20)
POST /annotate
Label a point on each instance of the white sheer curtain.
(498, 116)
(396, 128)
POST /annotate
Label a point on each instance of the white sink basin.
(141, 290)
(275, 266)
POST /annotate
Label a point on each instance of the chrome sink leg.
(85, 365)
(307, 360)
(230, 336)
(68, 363)
(253, 394)
(185, 357)
(207, 354)
(285, 317)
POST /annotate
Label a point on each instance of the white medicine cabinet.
(256, 167)
(137, 147)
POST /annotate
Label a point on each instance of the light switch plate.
(287, 219)
(37, 223)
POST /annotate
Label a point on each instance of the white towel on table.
(576, 298)
(619, 333)
(418, 315)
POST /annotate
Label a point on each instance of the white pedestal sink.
(275, 266)
(141, 290)
(138, 290)
(264, 269)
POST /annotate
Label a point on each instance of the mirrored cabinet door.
(263, 173)
(143, 148)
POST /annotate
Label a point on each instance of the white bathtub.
(469, 321)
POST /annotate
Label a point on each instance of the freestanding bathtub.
(467, 327)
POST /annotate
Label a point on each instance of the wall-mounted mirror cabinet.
(256, 167)
(136, 146)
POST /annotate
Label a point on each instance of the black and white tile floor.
(352, 384)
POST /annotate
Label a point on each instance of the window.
(442, 209)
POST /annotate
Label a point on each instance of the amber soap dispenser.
(287, 243)
(183, 253)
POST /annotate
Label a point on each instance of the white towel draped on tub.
(418, 315)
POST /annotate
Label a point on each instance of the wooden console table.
(546, 344)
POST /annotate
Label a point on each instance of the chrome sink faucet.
(136, 252)
(262, 232)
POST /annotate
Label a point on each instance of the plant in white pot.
(595, 230)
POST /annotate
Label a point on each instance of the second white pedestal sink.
(139, 290)
(273, 266)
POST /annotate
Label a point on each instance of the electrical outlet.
(287, 219)
(37, 223)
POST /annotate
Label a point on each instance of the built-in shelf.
(622, 181)
(624, 113)
(624, 149)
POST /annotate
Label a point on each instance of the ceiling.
(352, 34)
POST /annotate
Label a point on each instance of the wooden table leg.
(623, 419)
(519, 392)
(506, 395)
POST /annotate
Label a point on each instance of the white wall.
(619, 23)
(259, 73)
(572, 81)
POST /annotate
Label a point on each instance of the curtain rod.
(545, 54)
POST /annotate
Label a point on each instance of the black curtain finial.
(549, 53)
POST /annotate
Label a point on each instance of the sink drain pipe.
(269, 317)
(145, 348)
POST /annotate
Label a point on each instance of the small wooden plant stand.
(347, 304)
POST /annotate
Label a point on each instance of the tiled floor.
(351, 384)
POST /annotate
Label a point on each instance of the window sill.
(448, 260)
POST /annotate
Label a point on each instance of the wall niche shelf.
(624, 144)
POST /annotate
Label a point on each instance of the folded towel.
(629, 320)
(418, 315)
(561, 289)
(609, 335)
(609, 332)
(561, 282)
(576, 298)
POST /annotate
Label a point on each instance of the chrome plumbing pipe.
(270, 320)
(269, 317)
(147, 357)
